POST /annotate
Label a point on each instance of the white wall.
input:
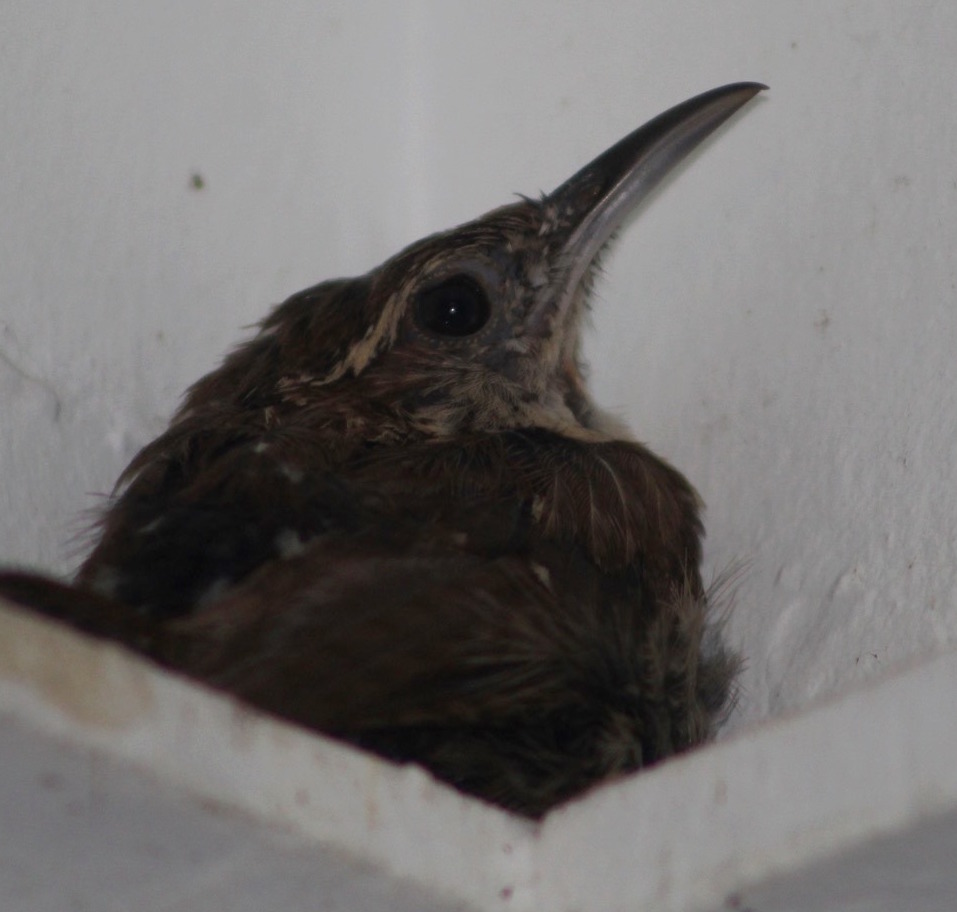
(781, 322)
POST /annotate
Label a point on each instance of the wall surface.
(780, 321)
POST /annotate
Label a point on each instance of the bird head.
(472, 329)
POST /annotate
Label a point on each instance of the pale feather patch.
(106, 581)
(551, 219)
(377, 336)
(541, 571)
(289, 544)
(151, 527)
(293, 473)
(214, 591)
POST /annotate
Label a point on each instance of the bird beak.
(594, 201)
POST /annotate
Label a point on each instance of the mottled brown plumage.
(396, 516)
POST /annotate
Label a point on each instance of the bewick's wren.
(396, 516)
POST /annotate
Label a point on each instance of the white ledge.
(852, 800)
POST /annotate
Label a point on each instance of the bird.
(395, 515)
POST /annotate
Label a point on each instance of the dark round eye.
(456, 307)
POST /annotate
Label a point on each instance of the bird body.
(395, 515)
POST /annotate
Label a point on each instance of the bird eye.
(456, 307)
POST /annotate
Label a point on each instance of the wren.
(396, 516)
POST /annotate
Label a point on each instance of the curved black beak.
(595, 200)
